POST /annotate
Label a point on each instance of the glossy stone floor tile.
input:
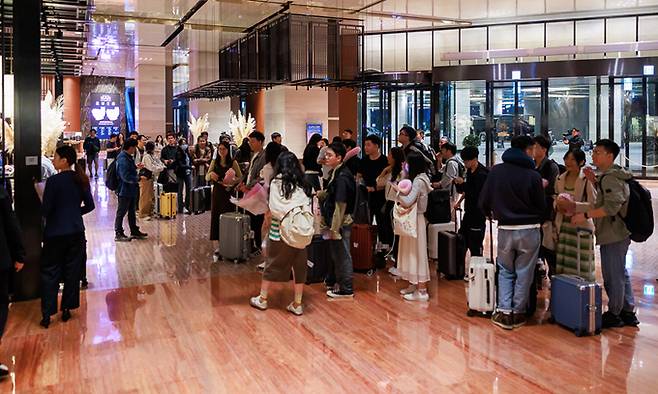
(160, 317)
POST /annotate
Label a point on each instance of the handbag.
(405, 220)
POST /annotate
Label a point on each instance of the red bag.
(362, 247)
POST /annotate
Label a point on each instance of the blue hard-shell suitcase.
(575, 302)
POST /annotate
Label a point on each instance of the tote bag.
(405, 220)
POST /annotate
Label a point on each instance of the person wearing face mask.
(66, 198)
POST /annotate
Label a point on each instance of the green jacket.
(613, 194)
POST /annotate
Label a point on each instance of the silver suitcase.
(482, 282)
(235, 236)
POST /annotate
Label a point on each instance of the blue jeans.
(616, 280)
(518, 251)
(340, 261)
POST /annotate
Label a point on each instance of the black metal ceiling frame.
(227, 88)
(63, 36)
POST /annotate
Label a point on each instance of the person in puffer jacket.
(514, 194)
(288, 193)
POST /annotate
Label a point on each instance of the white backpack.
(297, 228)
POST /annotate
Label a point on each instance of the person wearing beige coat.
(574, 186)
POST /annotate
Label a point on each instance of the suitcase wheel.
(470, 313)
(597, 332)
(579, 333)
(370, 272)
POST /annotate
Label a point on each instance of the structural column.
(27, 137)
(150, 91)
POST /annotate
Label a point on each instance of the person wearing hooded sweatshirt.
(514, 194)
(611, 232)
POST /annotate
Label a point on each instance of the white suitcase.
(482, 282)
(433, 231)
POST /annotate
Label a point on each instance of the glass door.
(629, 121)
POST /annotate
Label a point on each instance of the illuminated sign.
(313, 128)
(105, 114)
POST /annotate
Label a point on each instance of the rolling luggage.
(362, 247)
(433, 231)
(168, 205)
(451, 254)
(234, 236)
(482, 281)
(207, 197)
(157, 192)
(197, 201)
(317, 262)
(438, 206)
(575, 302)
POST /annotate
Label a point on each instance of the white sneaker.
(408, 290)
(148, 219)
(261, 266)
(297, 311)
(258, 303)
(417, 296)
(394, 271)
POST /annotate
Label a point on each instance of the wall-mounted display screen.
(105, 114)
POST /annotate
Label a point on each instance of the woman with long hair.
(201, 158)
(574, 191)
(221, 191)
(312, 169)
(288, 191)
(152, 169)
(272, 152)
(159, 144)
(66, 197)
(391, 175)
(244, 152)
(412, 261)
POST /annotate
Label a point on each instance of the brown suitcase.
(362, 247)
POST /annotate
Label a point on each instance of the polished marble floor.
(161, 317)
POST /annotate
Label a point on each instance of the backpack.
(561, 167)
(297, 228)
(112, 177)
(461, 170)
(639, 215)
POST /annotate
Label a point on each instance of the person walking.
(12, 257)
(514, 194)
(66, 198)
(612, 235)
(221, 191)
(151, 170)
(91, 146)
(412, 261)
(288, 192)
(127, 193)
(573, 186)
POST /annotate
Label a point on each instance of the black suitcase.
(207, 196)
(318, 264)
(452, 254)
(438, 206)
(197, 201)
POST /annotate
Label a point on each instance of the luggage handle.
(458, 209)
(491, 253)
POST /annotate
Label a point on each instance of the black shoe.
(610, 320)
(66, 315)
(629, 318)
(503, 320)
(138, 235)
(518, 320)
(84, 285)
(45, 322)
(121, 237)
(341, 294)
(4, 371)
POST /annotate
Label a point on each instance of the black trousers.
(63, 258)
(127, 205)
(256, 225)
(5, 276)
(474, 238)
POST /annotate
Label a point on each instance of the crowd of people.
(541, 208)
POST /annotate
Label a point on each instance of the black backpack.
(639, 215)
(112, 177)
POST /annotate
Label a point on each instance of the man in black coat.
(12, 255)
